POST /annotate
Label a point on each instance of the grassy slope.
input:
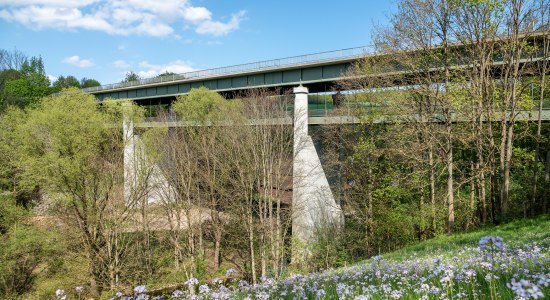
(536, 230)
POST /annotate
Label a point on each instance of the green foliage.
(25, 86)
(8, 152)
(27, 90)
(519, 232)
(88, 82)
(71, 149)
(203, 106)
(63, 136)
(10, 213)
(8, 75)
(328, 250)
(23, 249)
(166, 74)
(131, 76)
(66, 135)
(65, 82)
(11, 171)
(22, 253)
(33, 66)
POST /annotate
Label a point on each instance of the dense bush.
(24, 249)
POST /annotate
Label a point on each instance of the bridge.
(312, 199)
(317, 71)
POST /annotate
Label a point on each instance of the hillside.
(510, 261)
(516, 233)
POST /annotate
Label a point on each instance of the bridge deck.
(522, 116)
(290, 71)
(317, 71)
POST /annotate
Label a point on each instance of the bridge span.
(313, 201)
(317, 71)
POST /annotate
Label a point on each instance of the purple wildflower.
(524, 289)
(60, 294)
(231, 272)
(491, 243)
(140, 289)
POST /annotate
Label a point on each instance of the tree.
(11, 60)
(34, 65)
(11, 171)
(477, 27)
(65, 82)
(88, 82)
(131, 76)
(33, 84)
(27, 90)
(22, 252)
(543, 67)
(227, 175)
(166, 74)
(418, 41)
(261, 153)
(514, 47)
(5, 77)
(208, 108)
(72, 151)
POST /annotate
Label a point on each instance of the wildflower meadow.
(492, 270)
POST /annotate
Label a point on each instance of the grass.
(526, 231)
(446, 267)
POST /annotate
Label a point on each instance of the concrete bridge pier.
(313, 205)
(143, 179)
(130, 160)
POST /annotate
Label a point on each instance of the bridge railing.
(319, 105)
(341, 54)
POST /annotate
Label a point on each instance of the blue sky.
(104, 39)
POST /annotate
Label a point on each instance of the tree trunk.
(251, 247)
(546, 184)
(217, 246)
(432, 188)
(507, 166)
(472, 199)
(482, 196)
(94, 287)
(538, 139)
(450, 188)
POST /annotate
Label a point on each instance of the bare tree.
(543, 67)
(11, 60)
(512, 49)
(476, 29)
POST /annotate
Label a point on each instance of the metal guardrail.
(341, 54)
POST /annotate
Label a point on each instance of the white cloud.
(118, 17)
(219, 28)
(121, 64)
(75, 60)
(51, 78)
(197, 14)
(152, 70)
(59, 3)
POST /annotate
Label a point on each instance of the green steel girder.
(272, 78)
